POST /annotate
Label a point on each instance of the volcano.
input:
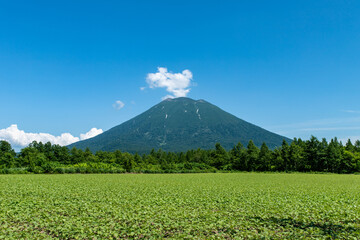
(178, 125)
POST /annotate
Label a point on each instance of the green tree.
(285, 155)
(334, 155)
(129, 163)
(296, 154)
(264, 159)
(348, 163)
(349, 146)
(76, 156)
(61, 154)
(88, 156)
(32, 157)
(252, 155)
(7, 155)
(357, 146)
(118, 157)
(6, 147)
(220, 157)
(312, 154)
(238, 157)
(322, 162)
(277, 162)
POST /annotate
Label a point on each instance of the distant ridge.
(178, 125)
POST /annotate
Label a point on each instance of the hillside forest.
(299, 156)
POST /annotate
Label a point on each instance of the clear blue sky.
(292, 67)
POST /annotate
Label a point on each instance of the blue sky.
(292, 67)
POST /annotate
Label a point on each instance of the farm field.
(201, 206)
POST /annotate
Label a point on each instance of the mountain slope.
(178, 125)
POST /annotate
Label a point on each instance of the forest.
(299, 156)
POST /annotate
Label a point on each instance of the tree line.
(299, 156)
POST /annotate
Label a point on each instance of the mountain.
(178, 125)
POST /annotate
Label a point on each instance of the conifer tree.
(252, 154)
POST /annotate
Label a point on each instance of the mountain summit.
(180, 124)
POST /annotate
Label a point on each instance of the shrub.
(36, 169)
(70, 170)
(60, 170)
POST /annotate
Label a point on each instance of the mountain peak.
(183, 101)
(179, 99)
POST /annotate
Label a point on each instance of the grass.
(202, 206)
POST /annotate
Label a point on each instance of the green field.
(201, 206)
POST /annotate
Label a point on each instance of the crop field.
(200, 206)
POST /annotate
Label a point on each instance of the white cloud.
(175, 83)
(318, 124)
(142, 88)
(329, 129)
(351, 111)
(343, 128)
(118, 105)
(20, 138)
(167, 96)
(92, 133)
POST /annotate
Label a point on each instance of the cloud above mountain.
(20, 138)
(177, 84)
(118, 105)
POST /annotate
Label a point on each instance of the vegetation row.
(301, 156)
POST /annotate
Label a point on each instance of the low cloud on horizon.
(176, 84)
(351, 111)
(19, 138)
(343, 128)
